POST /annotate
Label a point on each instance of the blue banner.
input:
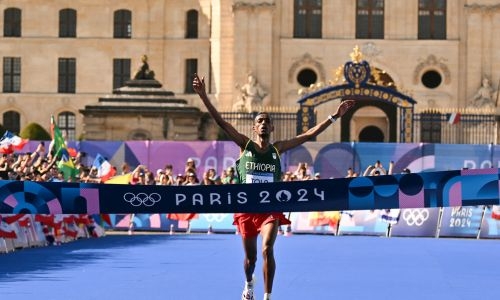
(428, 189)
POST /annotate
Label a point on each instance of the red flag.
(106, 218)
(26, 222)
(7, 234)
(45, 219)
(69, 219)
(83, 219)
(11, 142)
(71, 233)
(12, 218)
(495, 214)
(182, 217)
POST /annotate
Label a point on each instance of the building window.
(370, 19)
(11, 74)
(192, 24)
(307, 19)
(431, 79)
(121, 72)
(12, 121)
(432, 19)
(122, 24)
(66, 121)
(67, 23)
(306, 77)
(191, 68)
(12, 22)
(67, 75)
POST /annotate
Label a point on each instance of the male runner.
(260, 162)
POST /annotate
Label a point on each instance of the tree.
(34, 131)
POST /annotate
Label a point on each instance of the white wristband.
(332, 118)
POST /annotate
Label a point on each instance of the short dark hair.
(262, 113)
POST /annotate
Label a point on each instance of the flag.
(45, 219)
(9, 219)
(26, 222)
(454, 118)
(104, 169)
(65, 164)
(11, 142)
(58, 141)
(330, 218)
(7, 234)
(68, 168)
(182, 217)
(106, 218)
(120, 179)
(495, 213)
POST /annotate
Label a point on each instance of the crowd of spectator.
(41, 165)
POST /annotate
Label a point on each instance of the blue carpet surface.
(208, 267)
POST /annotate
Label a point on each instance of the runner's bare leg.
(269, 233)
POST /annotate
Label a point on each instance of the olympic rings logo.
(142, 199)
(415, 217)
(214, 218)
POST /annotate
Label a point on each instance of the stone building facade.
(60, 56)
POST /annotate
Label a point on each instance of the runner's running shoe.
(248, 290)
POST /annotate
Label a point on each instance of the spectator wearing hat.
(192, 179)
(190, 166)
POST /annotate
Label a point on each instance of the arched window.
(66, 121)
(307, 21)
(12, 22)
(12, 121)
(67, 23)
(432, 19)
(370, 19)
(192, 24)
(122, 24)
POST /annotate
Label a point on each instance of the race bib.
(259, 178)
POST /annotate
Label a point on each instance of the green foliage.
(34, 131)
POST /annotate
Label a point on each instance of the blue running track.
(206, 267)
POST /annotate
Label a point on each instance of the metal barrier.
(285, 123)
(471, 126)
(455, 128)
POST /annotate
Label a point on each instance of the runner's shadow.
(36, 261)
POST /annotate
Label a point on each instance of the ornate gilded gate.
(398, 107)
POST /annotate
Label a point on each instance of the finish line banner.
(418, 190)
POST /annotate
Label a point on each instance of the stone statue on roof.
(144, 73)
